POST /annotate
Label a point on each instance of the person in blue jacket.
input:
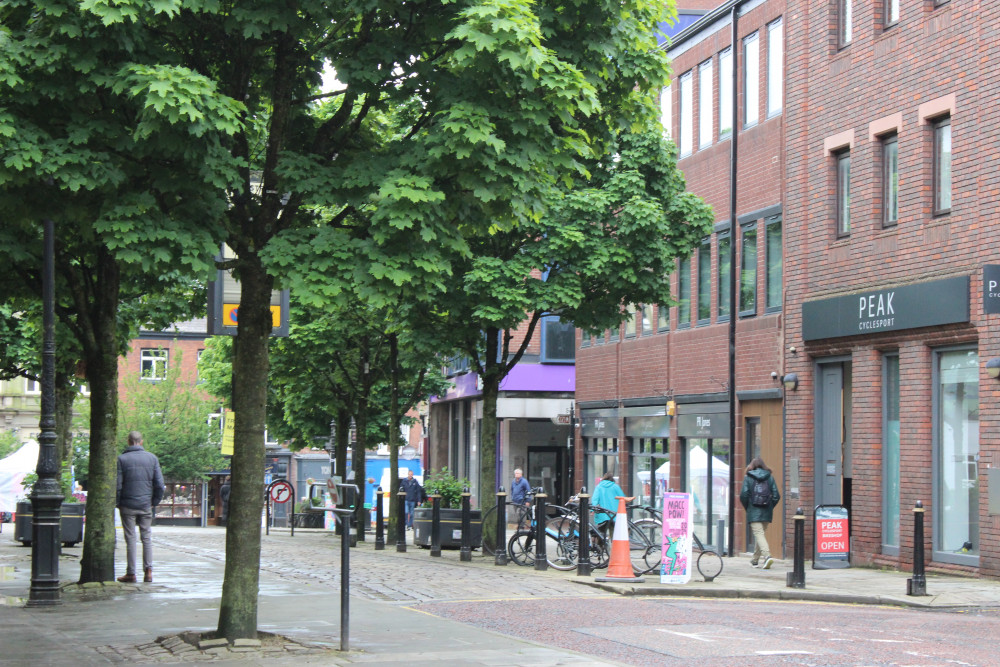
(606, 496)
(519, 489)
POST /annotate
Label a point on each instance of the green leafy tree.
(9, 443)
(173, 417)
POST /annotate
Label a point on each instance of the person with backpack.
(759, 495)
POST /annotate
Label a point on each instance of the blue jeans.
(410, 505)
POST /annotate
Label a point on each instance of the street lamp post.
(46, 496)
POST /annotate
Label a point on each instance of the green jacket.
(756, 514)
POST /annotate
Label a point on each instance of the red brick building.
(653, 396)
(891, 326)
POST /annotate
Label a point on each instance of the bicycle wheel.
(517, 519)
(600, 550)
(638, 546)
(653, 531)
(521, 548)
(709, 564)
(561, 543)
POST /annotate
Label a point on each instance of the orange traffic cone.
(620, 565)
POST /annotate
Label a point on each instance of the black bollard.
(917, 585)
(401, 522)
(541, 560)
(797, 577)
(584, 568)
(500, 552)
(379, 521)
(435, 524)
(465, 554)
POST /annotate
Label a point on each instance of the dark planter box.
(70, 523)
(450, 529)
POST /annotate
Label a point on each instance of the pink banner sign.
(675, 568)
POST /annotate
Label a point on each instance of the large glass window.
(890, 180)
(687, 114)
(650, 471)
(631, 321)
(662, 318)
(153, 364)
(843, 193)
(558, 339)
(684, 293)
(666, 111)
(725, 92)
(942, 166)
(646, 321)
(751, 80)
(846, 21)
(890, 454)
(956, 507)
(748, 271)
(725, 268)
(602, 457)
(775, 67)
(706, 478)
(772, 228)
(705, 282)
(891, 12)
(705, 108)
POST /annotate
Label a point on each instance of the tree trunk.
(238, 607)
(394, 428)
(65, 395)
(488, 443)
(361, 442)
(97, 563)
(343, 437)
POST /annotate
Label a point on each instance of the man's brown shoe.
(149, 576)
(127, 578)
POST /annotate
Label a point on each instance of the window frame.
(646, 319)
(845, 23)
(584, 338)
(705, 283)
(632, 321)
(706, 112)
(769, 278)
(751, 74)
(887, 19)
(149, 356)
(32, 387)
(725, 93)
(891, 524)
(937, 127)
(684, 279)
(662, 318)
(775, 70)
(666, 111)
(685, 103)
(544, 356)
(723, 238)
(745, 231)
(843, 187)
(889, 143)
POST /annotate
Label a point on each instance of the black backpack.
(760, 494)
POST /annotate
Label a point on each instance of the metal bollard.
(541, 560)
(435, 524)
(584, 568)
(401, 522)
(500, 553)
(379, 521)
(797, 577)
(917, 585)
(465, 554)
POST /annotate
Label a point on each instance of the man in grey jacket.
(140, 489)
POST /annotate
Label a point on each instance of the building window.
(751, 80)
(646, 320)
(705, 282)
(666, 109)
(662, 318)
(942, 166)
(891, 12)
(599, 339)
(890, 180)
(705, 108)
(846, 21)
(687, 114)
(890, 454)
(153, 365)
(558, 341)
(615, 334)
(748, 271)
(725, 267)
(631, 322)
(773, 248)
(843, 193)
(725, 92)
(584, 339)
(684, 293)
(775, 68)
(32, 387)
(956, 434)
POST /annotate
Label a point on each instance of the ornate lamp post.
(46, 496)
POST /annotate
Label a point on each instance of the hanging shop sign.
(703, 420)
(647, 427)
(599, 423)
(891, 309)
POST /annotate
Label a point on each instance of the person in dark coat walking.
(139, 489)
(760, 509)
(224, 492)
(414, 496)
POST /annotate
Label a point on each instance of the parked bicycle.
(562, 541)
(518, 518)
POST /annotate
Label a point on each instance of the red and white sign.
(281, 491)
(831, 536)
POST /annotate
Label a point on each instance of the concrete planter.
(70, 523)
(450, 528)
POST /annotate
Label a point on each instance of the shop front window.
(650, 471)
(956, 508)
(706, 478)
(890, 456)
(181, 500)
(602, 456)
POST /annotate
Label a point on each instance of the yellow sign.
(230, 315)
(228, 432)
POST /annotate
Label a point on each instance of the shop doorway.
(833, 433)
(545, 469)
(763, 438)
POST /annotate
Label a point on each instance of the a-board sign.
(676, 566)
(832, 541)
